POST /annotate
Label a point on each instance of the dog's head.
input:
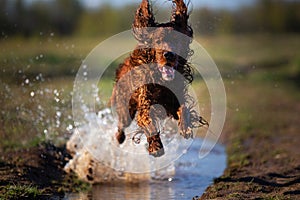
(165, 38)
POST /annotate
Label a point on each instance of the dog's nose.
(170, 56)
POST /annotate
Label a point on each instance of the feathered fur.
(152, 75)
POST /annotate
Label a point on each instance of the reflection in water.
(192, 177)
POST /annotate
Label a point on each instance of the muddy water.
(192, 177)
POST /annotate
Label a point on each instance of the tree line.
(69, 17)
(39, 17)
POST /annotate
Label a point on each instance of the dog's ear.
(180, 17)
(143, 18)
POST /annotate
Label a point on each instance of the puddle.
(192, 177)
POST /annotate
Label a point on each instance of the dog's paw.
(155, 146)
(184, 122)
(187, 133)
(120, 136)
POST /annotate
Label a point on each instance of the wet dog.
(156, 73)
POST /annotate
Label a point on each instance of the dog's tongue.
(168, 73)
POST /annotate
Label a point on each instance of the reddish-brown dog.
(154, 74)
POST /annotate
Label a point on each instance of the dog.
(156, 73)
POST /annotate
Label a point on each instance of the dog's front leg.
(147, 120)
(148, 123)
(184, 122)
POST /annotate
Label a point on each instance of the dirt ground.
(263, 145)
(40, 167)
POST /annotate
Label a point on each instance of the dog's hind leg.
(122, 124)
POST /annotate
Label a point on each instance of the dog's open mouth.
(168, 73)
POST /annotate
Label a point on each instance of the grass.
(273, 56)
(35, 71)
(263, 110)
(19, 192)
(33, 112)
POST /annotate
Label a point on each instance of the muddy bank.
(263, 141)
(38, 167)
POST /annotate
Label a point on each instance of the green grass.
(46, 67)
(27, 120)
(19, 192)
(276, 197)
(240, 54)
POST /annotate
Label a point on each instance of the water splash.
(33, 109)
(95, 142)
(189, 176)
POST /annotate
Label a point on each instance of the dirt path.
(263, 141)
(38, 167)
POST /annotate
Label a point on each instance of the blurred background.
(32, 18)
(255, 44)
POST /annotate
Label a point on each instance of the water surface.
(192, 177)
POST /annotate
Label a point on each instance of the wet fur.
(142, 65)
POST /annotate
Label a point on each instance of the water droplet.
(56, 92)
(45, 131)
(70, 127)
(57, 123)
(27, 81)
(32, 94)
(41, 55)
(58, 113)
(84, 66)
(84, 73)
(170, 179)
